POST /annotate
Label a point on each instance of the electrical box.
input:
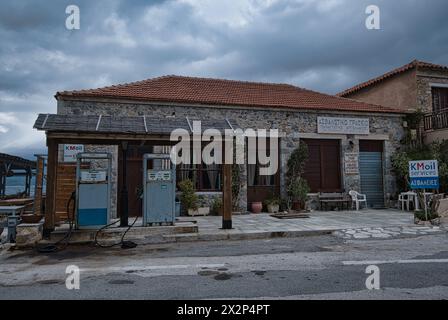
(159, 189)
(93, 188)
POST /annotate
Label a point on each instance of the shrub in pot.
(298, 191)
(188, 198)
(272, 204)
(217, 207)
(297, 188)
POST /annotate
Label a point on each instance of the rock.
(435, 222)
(442, 208)
(29, 234)
(381, 235)
(361, 236)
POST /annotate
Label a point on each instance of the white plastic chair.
(406, 198)
(358, 198)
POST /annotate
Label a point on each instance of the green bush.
(216, 206)
(299, 189)
(188, 198)
(272, 201)
(422, 216)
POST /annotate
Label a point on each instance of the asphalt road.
(319, 267)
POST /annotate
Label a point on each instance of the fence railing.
(435, 121)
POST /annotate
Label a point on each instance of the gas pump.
(159, 190)
(93, 189)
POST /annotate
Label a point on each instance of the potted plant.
(297, 188)
(188, 198)
(203, 209)
(272, 204)
(217, 206)
(298, 191)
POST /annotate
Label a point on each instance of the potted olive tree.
(298, 192)
(194, 205)
(296, 186)
(188, 198)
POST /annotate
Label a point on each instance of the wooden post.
(39, 187)
(50, 201)
(124, 214)
(227, 196)
(2, 183)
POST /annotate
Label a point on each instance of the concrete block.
(28, 235)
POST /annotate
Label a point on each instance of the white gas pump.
(93, 190)
(159, 190)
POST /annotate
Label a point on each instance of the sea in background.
(16, 184)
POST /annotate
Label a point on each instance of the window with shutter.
(323, 168)
(439, 99)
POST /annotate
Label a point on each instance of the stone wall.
(424, 79)
(292, 125)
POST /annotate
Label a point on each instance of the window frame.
(440, 88)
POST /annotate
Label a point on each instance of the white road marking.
(373, 262)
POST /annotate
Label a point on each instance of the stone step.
(149, 234)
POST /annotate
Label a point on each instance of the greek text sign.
(343, 125)
(351, 163)
(71, 150)
(424, 174)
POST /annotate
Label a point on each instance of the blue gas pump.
(159, 190)
(93, 190)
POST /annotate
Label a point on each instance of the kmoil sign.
(424, 174)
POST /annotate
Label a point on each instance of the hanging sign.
(71, 151)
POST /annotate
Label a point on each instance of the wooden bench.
(337, 199)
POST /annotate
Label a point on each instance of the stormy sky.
(318, 44)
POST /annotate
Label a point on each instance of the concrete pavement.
(262, 226)
(251, 226)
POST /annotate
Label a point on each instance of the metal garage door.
(371, 171)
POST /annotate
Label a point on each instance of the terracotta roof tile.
(412, 65)
(191, 90)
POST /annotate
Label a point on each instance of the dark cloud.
(319, 44)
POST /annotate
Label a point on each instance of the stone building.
(350, 142)
(415, 86)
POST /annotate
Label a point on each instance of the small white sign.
(343, 125)
(93, 176)
(351, 163)
(71, 151)
(423, 169)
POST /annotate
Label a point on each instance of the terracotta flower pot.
(256, 207)
(297, 205)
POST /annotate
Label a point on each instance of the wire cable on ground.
(50, 248)
(124, 244)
